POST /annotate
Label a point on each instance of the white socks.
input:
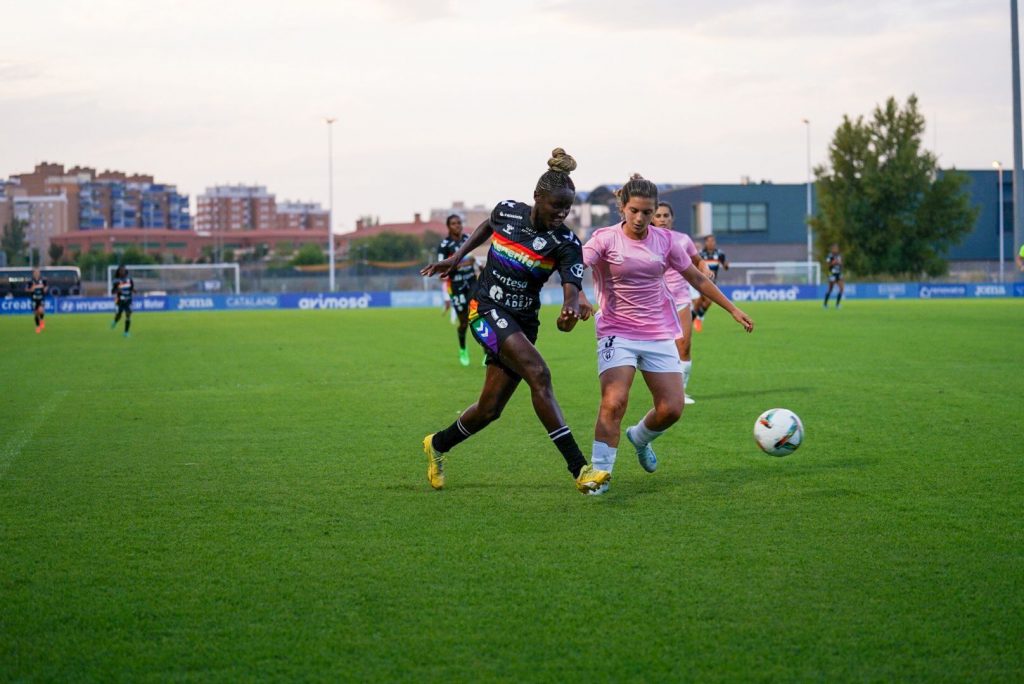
(686, 373)
(602, 456)
(643, 435)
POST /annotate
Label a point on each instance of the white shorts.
(655, 356)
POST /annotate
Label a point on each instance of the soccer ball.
(778, 432)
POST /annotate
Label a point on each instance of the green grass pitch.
(242, 496)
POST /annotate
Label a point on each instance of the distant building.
(303, 216)
(417, 227)
(236, 207)
(226, 208)
(471, 216)
(57, 201)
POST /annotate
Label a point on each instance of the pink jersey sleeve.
(593, 250)
(677, 258)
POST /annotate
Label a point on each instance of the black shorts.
(460, 297)
(835, 277)
(36, 303)
(491, 326)
(125, 307)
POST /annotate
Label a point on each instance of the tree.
(13, 240)
(883, 199)
(388, 247)
(309, 254)
(56, 252)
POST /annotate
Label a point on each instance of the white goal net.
(181, 278)
(771, 273)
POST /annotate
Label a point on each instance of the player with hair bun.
(528, 244)
(637, 323)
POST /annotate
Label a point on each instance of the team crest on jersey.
(540, 243)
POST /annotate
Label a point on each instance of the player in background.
(37, 290)
(460, 284)
(834, 263)
(528, 244)
(637, 324)
(123, 289)
(679, 291)
(715, 259)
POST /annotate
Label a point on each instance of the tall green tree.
(13, 240)
(883, 199)
(56, 252)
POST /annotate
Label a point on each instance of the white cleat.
(687, 400)
(599, 491)
(644, 454)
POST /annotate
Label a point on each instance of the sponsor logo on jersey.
(502, 323)
(510, 216)
(496, 293)
(510, 282)
(577, 270)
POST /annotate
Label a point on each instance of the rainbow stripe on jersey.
(519, 258)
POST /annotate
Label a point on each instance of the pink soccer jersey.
(678, 287)
(629, 276)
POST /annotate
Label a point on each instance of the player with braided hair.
(637, 323)
(528, 244)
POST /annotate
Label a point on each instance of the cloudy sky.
(441, 100)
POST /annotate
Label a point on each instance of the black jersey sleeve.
(570, 260)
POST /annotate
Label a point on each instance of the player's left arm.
(723, 261)
(570, 269)
(442, 268)
(711, 291)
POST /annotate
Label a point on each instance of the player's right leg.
(518, 353)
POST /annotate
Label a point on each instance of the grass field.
(243, 497)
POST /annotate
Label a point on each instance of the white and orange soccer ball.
(778, 432)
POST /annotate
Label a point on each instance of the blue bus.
(60, 281)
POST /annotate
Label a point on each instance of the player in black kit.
(715, 259)
(834, 261)
(528, 245)
(123, 289)
(460, 283)
(37, 290)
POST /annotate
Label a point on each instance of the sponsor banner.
(17, 305)
(769, 293)
(334, 300)
(433, 298)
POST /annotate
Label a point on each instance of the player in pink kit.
(637, 323)
(679, 291)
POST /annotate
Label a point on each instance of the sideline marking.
(16, 442)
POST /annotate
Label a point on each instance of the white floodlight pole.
(810, 243)
(330, 198)
(999, 198)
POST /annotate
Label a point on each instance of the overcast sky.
(441, 100)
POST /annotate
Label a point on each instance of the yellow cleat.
(590, 479)
(435, 463)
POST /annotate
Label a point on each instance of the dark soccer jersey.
(124, 287)
(835, 263)
(713, 258)
(463, 276)
(522, 258)
(38, 289)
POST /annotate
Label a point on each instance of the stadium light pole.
(810, 243)
(1018, 182)
(998, 166)
(330, 198)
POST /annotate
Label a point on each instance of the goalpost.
(776, 272)
(181, 278)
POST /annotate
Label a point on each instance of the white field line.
(14, 445)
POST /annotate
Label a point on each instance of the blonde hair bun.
(561, 161)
